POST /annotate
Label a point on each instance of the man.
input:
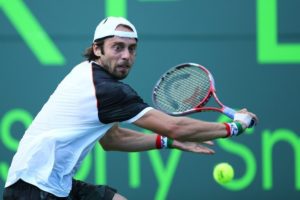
(87, 107)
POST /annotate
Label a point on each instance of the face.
(118, 54)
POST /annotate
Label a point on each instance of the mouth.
(121, 70)
(123, 67)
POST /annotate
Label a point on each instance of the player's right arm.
(181, 128)
(185, 128)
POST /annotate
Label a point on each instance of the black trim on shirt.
(116, 101)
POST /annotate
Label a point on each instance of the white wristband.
(234, 129)
(164, 142)
(242, 117)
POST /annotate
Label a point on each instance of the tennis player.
(87, 108)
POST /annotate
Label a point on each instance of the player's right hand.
(246, 118)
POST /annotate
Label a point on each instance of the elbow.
(110, 139)
(105, 146)
(108, 143)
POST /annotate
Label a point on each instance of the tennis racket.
(186, 89)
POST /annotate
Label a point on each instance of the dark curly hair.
(89, 52)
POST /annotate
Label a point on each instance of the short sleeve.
(117, 102)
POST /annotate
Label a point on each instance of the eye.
(118, 47)
(132, 49)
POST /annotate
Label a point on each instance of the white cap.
(107, 27)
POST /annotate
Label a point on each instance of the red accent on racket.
(187, 88)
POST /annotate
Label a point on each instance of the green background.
(251, 47)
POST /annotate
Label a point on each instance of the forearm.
(122, 139)
(182, 128)
(188, 129)
(119, 139)
(134, 141)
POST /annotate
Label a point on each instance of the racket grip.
(230, 113)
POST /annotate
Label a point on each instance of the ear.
(97, 50)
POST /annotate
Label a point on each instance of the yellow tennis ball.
(223, 173)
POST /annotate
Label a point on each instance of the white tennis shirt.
(65, 130)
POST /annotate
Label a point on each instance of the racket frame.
(200, 107)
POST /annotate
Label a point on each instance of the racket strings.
(182, 89)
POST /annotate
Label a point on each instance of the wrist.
(234, 129)
(170, 143)
(163, 142)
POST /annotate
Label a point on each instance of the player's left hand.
(196, 147)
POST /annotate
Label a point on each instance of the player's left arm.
(123, 139)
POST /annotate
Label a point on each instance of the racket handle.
(230, 113)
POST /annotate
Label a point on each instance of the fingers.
(194, 147)
(208, 143)
(252, 115)
(244, 110)
(204, 150)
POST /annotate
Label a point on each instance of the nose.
(126, 54)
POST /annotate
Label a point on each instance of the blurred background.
(251, 47)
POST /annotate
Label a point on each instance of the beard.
(119, 72)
